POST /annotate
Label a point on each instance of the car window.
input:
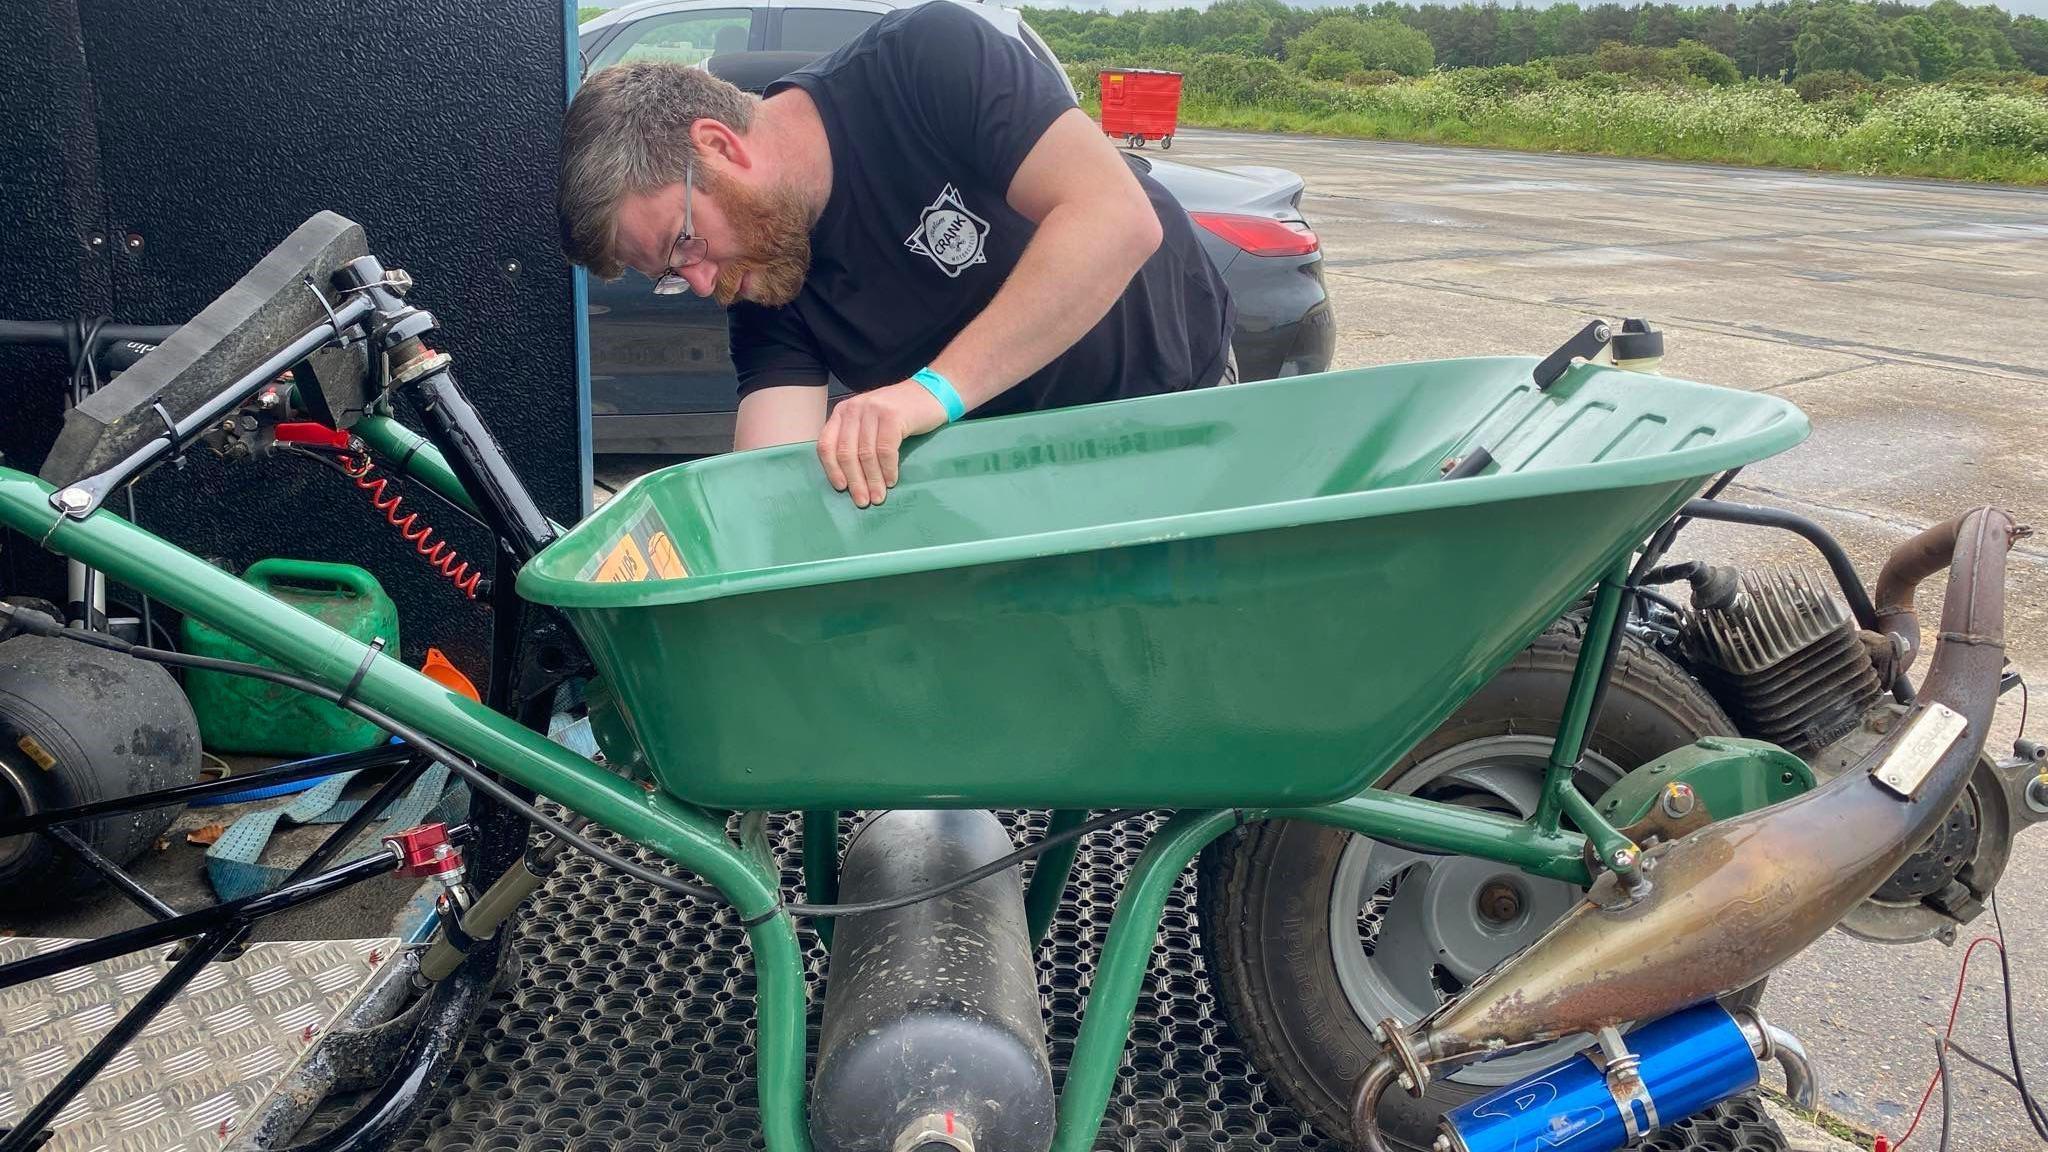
(822, 29)
(685, 37)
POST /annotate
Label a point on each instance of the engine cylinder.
(1689, 1061)
(1785, 660)
(932, 1037)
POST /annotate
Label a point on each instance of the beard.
(774, 229)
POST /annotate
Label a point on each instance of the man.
(923, 214)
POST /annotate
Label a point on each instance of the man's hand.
(863, 438)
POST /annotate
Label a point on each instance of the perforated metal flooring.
(630, 1028)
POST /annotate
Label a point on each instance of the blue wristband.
(942, 391)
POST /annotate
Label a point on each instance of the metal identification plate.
(1927, 737)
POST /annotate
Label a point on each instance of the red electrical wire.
(1954, 1007)
(421, 536)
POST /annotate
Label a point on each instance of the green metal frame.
(695, 839)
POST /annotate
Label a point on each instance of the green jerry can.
(238, 714)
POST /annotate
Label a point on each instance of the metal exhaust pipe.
(1733, 900)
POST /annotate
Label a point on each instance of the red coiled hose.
(421, 536)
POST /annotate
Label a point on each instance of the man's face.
(757, 244)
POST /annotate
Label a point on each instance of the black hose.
(41, 624)
(2036, 1114)
(1941, 1072)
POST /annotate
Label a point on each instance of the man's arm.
(783, 415)
(1096, 228)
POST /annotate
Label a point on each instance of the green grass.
(1934, 131)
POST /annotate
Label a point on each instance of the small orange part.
(437, 668)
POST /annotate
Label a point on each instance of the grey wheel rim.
(1408, 929)
(15, 800)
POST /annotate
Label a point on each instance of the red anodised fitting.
(308, 432)
(425, 851)
(1880, 1144)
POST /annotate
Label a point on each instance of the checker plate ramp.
(629, 1026)
(200, 1066)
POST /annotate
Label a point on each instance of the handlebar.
(115, 347)
(59, 333)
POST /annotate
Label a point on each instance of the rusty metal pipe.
(1365, 1102)
(1735, 899)
(1908, 566)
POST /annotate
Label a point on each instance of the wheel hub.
(1500, 902)
(15, 800)
(1410, 930)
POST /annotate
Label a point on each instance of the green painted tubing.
(420, 459)
(821, 863)
(1106, 1019)
(1606, 840)
(779, 1024)
(144, 561)
(1570, 744)
(1049, 876)
(1557, 855)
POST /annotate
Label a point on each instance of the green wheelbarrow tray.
(1260, 595)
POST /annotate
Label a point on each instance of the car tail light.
(1259, 235)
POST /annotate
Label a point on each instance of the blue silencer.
(1691, 1060)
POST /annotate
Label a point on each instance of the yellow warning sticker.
(37, 753)
(644, 549)
(661, 552)
(623, 564)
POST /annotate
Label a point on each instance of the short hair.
(628, 130)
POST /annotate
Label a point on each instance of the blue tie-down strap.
(234, 862)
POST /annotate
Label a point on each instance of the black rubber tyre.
(80, 724)
(1166, 141)
(1265, 891)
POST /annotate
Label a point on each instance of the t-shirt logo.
(949, 234)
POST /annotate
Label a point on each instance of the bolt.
(1441, 1144)
(135, 241)
(74, 500)
(1500, 902)
(268, 399)
(1624, 859)
(1679, 800)
(1407, 1082)
(399, 281)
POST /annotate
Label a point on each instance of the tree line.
(1945, 40)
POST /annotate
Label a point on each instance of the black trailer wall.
(151, 152)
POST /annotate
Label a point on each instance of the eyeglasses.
(687, 251)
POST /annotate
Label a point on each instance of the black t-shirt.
(930, 113)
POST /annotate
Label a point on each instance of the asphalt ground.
(1909, 319)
